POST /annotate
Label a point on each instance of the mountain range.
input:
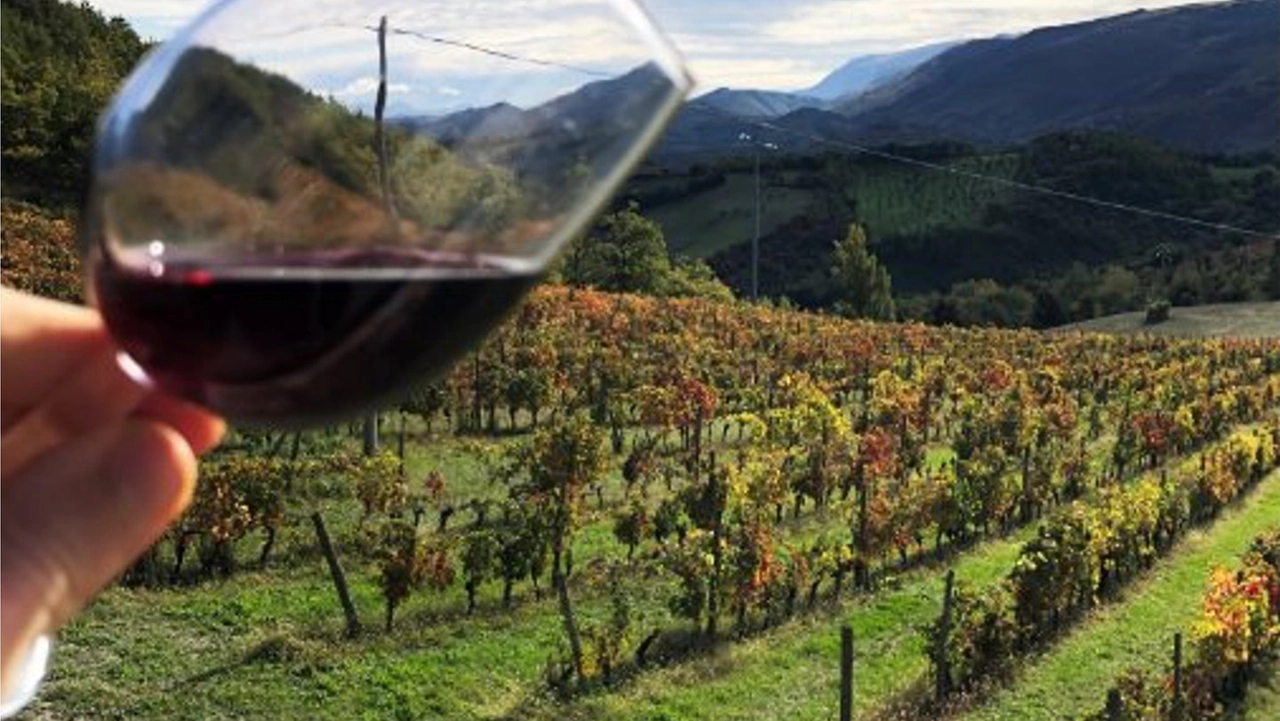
(1203, 78)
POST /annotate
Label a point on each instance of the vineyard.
(623, 503)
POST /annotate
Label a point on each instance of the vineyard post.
(1115, 710)
(846, 673)
(1177, 677)
(335, 571)
(861, 566)
(400, 446)
(943, 681)
(717, 553)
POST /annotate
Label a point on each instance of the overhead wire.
(995, 179)
(849, 146)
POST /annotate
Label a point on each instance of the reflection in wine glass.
(291, 221)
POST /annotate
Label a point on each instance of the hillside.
(867, 72)
(1201, 77)
(1233, 320)
(61, 65)
(965, 218)
(755, 104)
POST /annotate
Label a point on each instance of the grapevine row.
(1237, 633)
(1084, 554)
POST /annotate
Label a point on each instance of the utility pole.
(379, 107)
(755, 238)
(384, 184)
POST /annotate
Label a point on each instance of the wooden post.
(942, 684)
(379, 107)
(369, 436)
(384, 182)
(1114, 707)
(335, 572)
(846, 673)
(1177, 677)
(400, 447)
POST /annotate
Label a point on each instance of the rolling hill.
(1222, 320)
(757, 103)
(1201, 78)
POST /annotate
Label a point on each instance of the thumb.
(75, 517)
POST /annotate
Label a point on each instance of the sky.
(767, 44)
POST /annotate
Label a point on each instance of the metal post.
(755, 241)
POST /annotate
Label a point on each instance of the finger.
(77, 516)
(202, 429)
(41, 342)
(95, 393)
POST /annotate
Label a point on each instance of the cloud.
(876, 25)
(792, 45)
(368, 85)
(738, 43)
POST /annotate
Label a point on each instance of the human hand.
(93, 467)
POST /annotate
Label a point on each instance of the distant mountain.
(538, 140)
(757, 103)
(1202, 78)
(1199, 77)
(499, 119)
(866, 72)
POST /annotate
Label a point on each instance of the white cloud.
(448, 91)
(739, 43)
(877, 25)
(368, 85)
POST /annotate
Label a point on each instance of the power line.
(497, 53)
(1007, 182)
(438, 40)
(846, 145)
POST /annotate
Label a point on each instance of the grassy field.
(715, 219)
(1071, 678)
(1228, 320)
(889, 199)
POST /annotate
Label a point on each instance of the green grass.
(265, 643)
(721, 217)
(1262, 698)
(1226, 320)
(889, 199)
(791, 672)
(1072, 677)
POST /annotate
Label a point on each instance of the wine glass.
(299, 207)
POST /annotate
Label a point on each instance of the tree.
(625, 252)
(1273, 273)
(1118, 289)
(861, 283)
(62, 62)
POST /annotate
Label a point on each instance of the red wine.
(306, 342)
